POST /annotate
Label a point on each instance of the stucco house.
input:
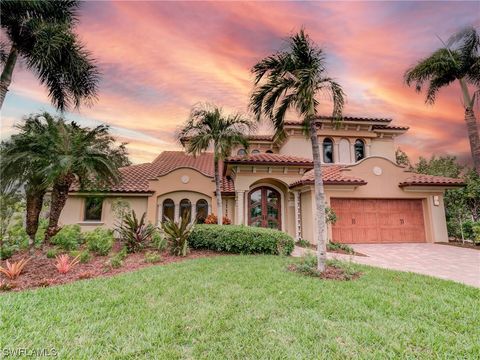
(375, 200)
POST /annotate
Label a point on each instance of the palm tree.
(22, 164)
(459, 59)
(294, 79)
(87, 155)
(41, 34)
(208, 127)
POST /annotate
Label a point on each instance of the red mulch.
(460, 244)
(41, 271)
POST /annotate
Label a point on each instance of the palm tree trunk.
(34, 208)
(59, 198)
(6, 77)
(473, 136)
(319, 200)
(218, 193)
(472, 125)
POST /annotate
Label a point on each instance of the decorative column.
(367, 148)
(194, 213)
(336, 151)
(298, 215)
(352, 153)
(239, 202)
(176, 213)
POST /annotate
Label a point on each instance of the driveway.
(442, 261)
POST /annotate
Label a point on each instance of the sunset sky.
(160, 58)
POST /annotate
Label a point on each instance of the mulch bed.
(330, 273)
(460, 244)
(41, 271)
(337, 251)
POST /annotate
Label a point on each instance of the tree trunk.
(6, 77)
(473, 136)
(218, 193)
(59, 198)
(472, 125)
(34, 208)
(319, 200)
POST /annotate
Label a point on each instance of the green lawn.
(246, 307)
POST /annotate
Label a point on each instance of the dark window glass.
(328, 151)
(269, 152)
(241, 152)
(186, 209)
(256, 151)
(359, 150)
(93, 208)
(202, 211)
(168, 209)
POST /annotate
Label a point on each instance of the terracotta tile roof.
(332, 175)
(425, 180)
(389, 127)
(135, 177)
(345, 118)
(267, 158)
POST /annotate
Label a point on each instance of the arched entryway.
(264, 208)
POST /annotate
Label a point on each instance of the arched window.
(202, 211)
(241, 152)
(359, 150)
(186, 209)
(269, 152)
(328, 151)
(168, 209)
(256, 151)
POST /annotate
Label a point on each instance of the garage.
(378, 221)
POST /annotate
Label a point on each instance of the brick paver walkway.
(442, 261)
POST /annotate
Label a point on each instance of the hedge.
(241, 239)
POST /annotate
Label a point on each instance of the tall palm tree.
(458, 60)
(22, 163)
(41, 33)
(87, 155)
(293, 80)
(208, 127)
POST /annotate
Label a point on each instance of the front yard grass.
(239, 307)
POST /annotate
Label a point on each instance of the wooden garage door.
(378, 221)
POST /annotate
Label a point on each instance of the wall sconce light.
(436, 200)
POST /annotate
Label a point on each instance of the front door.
(264, 208)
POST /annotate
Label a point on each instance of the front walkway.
(442, 261)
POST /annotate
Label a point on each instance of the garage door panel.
(378, 220)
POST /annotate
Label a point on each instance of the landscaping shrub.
(158, 241)
(303, 243)
(68, 238)
(241, 239)
(64, 264)
(152, 257)
(52, 253)
(6, 252)
(135, 232)
(476, 233)
(177, 235)
(84, 256)
(213, 219)
(338, 246)
(99, 241)
(117, 260)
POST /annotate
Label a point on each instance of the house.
(375, 200)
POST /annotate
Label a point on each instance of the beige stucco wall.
(384, 186)
(74, 210)
(383, 147)
(297, 145)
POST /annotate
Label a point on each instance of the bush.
(135, 232)
(83, 256)
(338, 246)
(117, 260)
(99, 241)
(177, 235)
(52, 253)
(241, 239)
(476, 233)
(158, 241)
(6, 252)
(68, 238)
(152, 257)
(303, 243)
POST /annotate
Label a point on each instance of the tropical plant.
(207, 128)
(41, 34)
(458, 60)
(14, 269)
(135, 232)
(159, 242)
(69, 238)
(10, 203)
(64, 264)
(293, 80)
(177, 234)
(99, 241)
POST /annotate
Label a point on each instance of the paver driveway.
(443, 261)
